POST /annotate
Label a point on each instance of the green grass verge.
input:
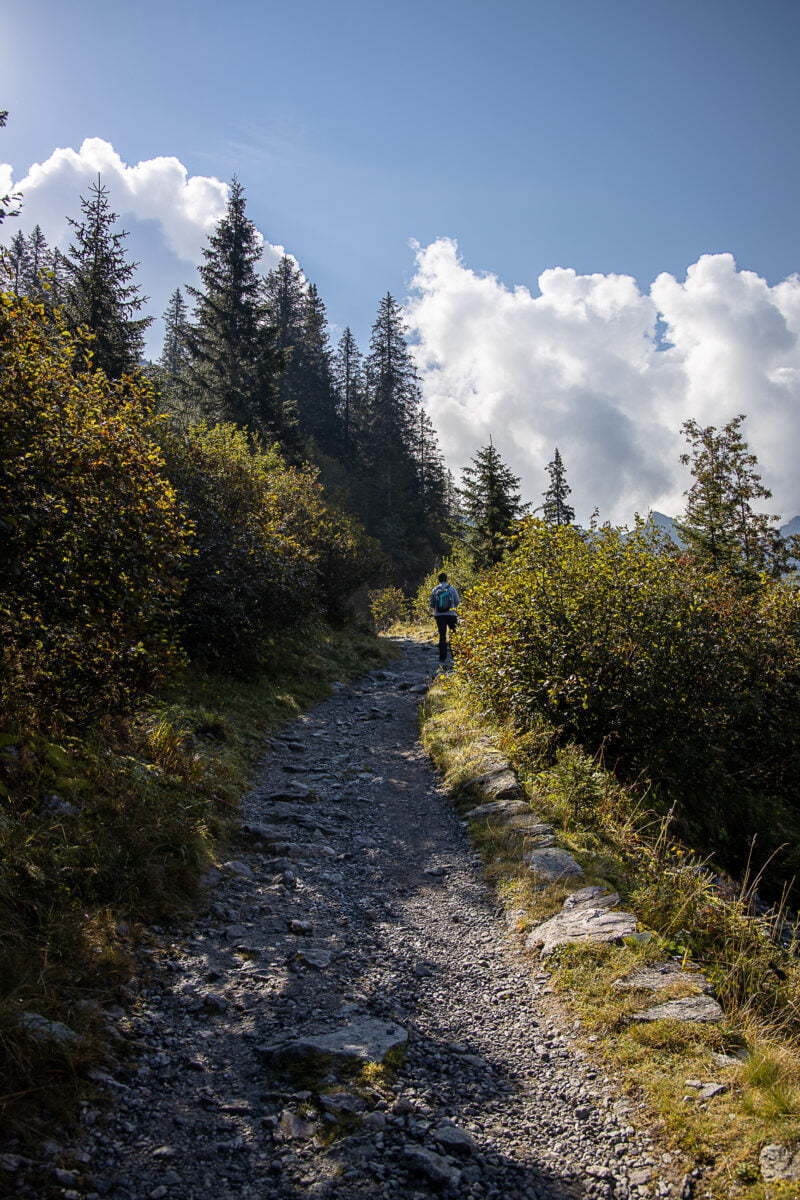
(104, 832)
(690, 913)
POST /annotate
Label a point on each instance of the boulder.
(454, 1140)
(697, 1009)
(498, 784)
(364, 1040)
(291, 795)
(551, 862)
(586, 916)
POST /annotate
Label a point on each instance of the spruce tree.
(285, 293)
(317, 415)
(17, 259)
(173, 377)
(40, 266)
(231, 344)
(348, 378)
(555, 509)
(491, 501)
(720, 524)
(99, 289)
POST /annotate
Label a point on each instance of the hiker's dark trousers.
(445, 622)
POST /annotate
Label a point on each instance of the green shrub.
(268, 551)
(680, 678)
(93, 537)
(387, 606)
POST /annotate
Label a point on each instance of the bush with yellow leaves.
(93, 538)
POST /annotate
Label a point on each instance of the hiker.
(444, 602)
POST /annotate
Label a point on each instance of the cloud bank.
(607, 372)
(168, 212)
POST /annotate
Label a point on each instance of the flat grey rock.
(297, 851)
(501, 809)
(551, 862)
(662, 975)
(779, 1163)
(364, 1040)
(40, 1029)
(702, 1009)
(454, 1140)
(500, 784)
(432, 1166)
(319, 959)
(586, 916)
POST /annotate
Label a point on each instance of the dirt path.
(375, 909)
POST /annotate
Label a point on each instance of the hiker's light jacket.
(455, 600)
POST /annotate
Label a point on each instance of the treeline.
(254, 350)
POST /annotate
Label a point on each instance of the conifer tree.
(348, 377)
(556, 510)
(234, 361)
(317, 415)
(99, 289)
(720, 524)
(17, 258)
(491, 500)
(40, 265)
(174, 379)
(284, 292)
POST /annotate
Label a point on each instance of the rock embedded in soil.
(553, 863)
(663, 975)
(433, 1166)
(694, 1009)
(40, 1029)
(779, 1163)
(499, 809)
(367, 1040)
(587, 916)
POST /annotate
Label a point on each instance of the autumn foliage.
(94, 539)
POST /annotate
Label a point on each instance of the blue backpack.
(443, 598)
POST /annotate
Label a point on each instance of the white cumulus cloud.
(607, 372)
(157, 194)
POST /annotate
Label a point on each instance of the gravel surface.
(367, 902)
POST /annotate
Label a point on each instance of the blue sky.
(618, 137)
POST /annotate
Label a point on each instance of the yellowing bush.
(675, 674)
(93, 540)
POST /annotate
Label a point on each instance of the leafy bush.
(268, 551)
(387, 606)
(93, 537)
(675, 674)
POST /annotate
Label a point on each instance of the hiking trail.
(354, 906)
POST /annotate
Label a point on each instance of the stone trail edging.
(589, 914)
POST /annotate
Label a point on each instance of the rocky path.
(357, 909)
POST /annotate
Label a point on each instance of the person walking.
(444, 601)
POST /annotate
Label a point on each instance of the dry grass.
(692, 917)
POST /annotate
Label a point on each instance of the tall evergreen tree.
(175, 350)
(348, 377)
(100, 292)
(317, 415)
(40, 265)
(720, 524)
(556, 510)
(491, 500)
(234, 360)
(17, 258)
(285, 295)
